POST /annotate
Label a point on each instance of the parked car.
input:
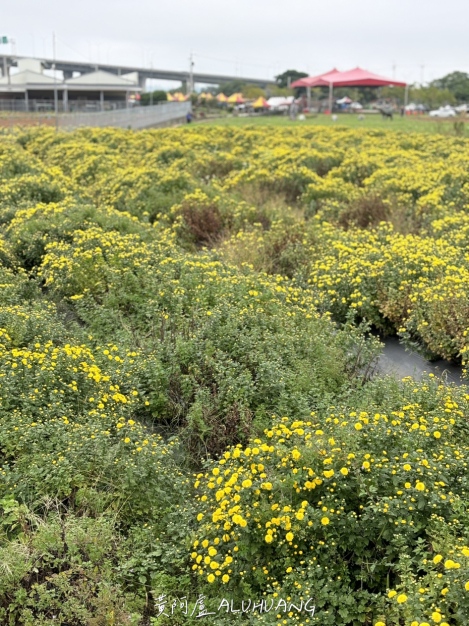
(446, 111)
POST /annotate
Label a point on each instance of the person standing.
(293, 111)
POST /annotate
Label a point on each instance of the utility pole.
(422, 74)
(394, 70)
(56, 95)
(151, 92)
(191, 73)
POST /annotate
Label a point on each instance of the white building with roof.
(32, 90)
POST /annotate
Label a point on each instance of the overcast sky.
(414, 39)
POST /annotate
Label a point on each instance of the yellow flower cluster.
(304, 487)
(418, 283)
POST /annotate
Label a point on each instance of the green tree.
(275, 90)
(238, 86)
(432, 96)
(231, 87)
(155, 96)
(282, 79)
(251, 91)
(397, 94)
(457, 83)
(181, 89)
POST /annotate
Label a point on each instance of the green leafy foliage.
(165, 304)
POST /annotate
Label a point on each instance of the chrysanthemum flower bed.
(362, 511)
(187, 407)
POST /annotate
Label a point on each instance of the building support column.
(101, 99)
(6, 69)
(308, 98)
(331, 91)
(65, 100)
(26, 101)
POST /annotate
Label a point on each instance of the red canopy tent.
(352, 78)
(314, 81)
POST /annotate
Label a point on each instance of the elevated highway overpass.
(144, 73)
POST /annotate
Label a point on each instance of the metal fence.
(162, 114)
(137, 117)
(46, 105)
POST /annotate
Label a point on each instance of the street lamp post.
(56, 95)
(191, 73)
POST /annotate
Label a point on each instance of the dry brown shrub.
(204, 223)
(233, 428)
(367, 212)
(210, 436)
(370, 211)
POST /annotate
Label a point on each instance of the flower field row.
(207, 185)
(185, 404)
